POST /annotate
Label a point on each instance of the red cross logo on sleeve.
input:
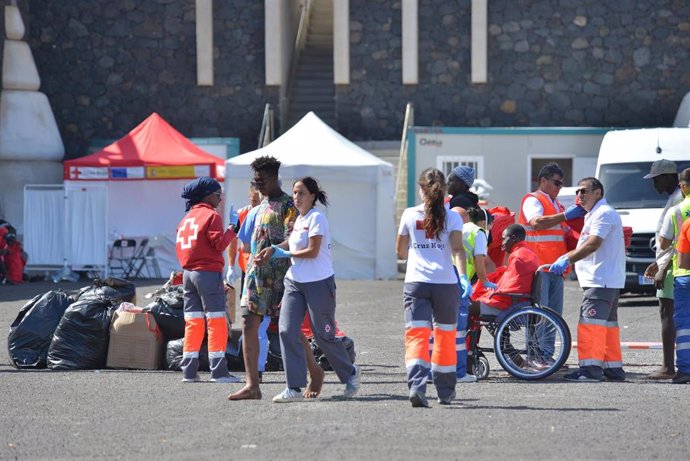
(187, 233)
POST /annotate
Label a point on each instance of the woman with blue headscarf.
(200, 243)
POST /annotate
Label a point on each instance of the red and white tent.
(130, 188)
(152, 150)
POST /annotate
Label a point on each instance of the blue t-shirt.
(247, 228)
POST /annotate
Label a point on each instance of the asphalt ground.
(152, 414)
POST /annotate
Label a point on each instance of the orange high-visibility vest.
(549, 243)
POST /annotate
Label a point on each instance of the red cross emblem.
(187, 233)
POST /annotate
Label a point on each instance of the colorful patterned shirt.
(273, 222)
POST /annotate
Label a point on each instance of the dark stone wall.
(107, 64)
(622, 63)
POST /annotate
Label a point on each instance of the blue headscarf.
(195, 191)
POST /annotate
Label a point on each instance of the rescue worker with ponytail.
(309, 288)
(599, 260)
(475, 243)
(429, 235)
(201, 241)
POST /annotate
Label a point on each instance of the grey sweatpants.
(319, 299)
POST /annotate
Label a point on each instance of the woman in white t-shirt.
(310, 287)
(429, 234)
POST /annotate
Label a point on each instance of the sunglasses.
(582, 191)
(557, 182)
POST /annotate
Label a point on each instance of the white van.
(625, 156)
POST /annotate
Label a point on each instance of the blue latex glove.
(466, 286)
(279, 252)
(231, 275)
(489, 285)
(233, 217)
(560, 265)
(574, 212)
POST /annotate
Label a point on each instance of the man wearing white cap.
(665, 175)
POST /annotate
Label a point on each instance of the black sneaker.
(581, 377)
(418, 400)
(617, 376)
(681, 378)
(448, 400)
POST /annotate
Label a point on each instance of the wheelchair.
(521, 337)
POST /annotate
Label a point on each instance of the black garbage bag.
(233, 354)
(321, 359)
(32, 330)
(173, 356)
(81, 339)
(168, 311)
(115, 289)
(274, 359)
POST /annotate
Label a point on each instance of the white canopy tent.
(360, 192)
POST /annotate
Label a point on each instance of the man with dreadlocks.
(200, 243)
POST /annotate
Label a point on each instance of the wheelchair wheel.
(532, 343)
(481, 367)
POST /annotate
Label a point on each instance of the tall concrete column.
(479, 45)
(341, 42)
(410, 42)
(31, 149)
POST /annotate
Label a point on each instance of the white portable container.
(625, 156)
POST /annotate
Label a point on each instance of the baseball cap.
(662, 166)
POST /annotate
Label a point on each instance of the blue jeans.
(681, 318)
(551, 295)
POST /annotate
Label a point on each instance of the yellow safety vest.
(681, 212)
(469, 236)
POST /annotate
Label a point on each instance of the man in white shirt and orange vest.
(544, 219)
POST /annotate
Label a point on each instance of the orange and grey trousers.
(204, 307)
(430, 305)
(598, 334)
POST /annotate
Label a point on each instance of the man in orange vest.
(544, 219)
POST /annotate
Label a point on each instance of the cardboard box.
(135, 341)
(231, 304)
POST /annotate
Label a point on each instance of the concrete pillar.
(341, 42)
(479, 41)
(410, 42)
(274, 15)
(204, 42)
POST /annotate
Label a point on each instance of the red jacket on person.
(201, 240)
(517, 278)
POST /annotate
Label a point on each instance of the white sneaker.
(353, 384)
(468, 378)
(230, 379)
(288, 395)
(195, 379)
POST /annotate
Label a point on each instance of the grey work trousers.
(318, 298)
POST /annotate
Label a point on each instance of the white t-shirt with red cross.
(305, 270)
(429, 258)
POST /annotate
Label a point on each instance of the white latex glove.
(231, 275)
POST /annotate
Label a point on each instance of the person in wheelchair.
(516, 277)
